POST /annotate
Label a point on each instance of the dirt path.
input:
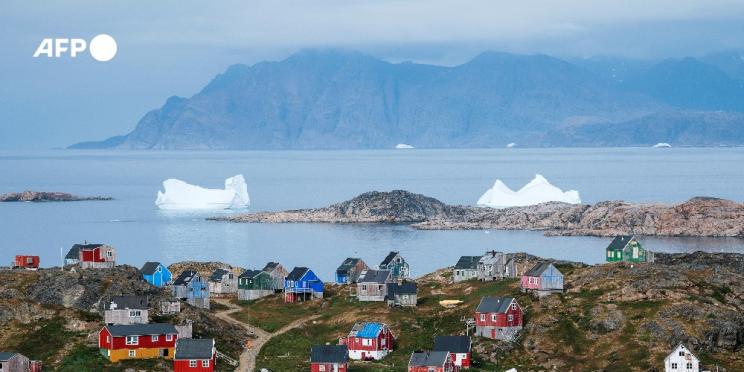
(248, 357)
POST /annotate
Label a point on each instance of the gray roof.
(620, 242)
(5, 356)
(128, 302)
(194, 348)
(73, 253)
(149, 267)
(329, 354)
(375, 276)
(428, 359)
(270, 266)
(404, 288)
(389, 258)
(494, 304)
(492, 257)
(297, 273)
(347, 265)
(218, 274)
(453, 344)
(141, 329)
(468, 262)
(250, 274)
(538, 269)
(185, 277)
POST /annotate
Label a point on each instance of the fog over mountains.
(332, 99)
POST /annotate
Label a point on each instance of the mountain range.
(337, 99)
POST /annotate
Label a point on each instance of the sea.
(279, 180)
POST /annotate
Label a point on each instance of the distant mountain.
(331, 99)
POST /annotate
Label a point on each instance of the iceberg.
(402, 146)
(537, 191)
(180, 195)
(661, 145)
(510, 145)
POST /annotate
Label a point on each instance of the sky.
(168, 48)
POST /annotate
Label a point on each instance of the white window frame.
(131, 340)
(674, 365)
(321, 368)
(483, 317)
(205, 363)
(493, 317)
(514, 306)
(168, 337)
(132, 353)
(154, 338)
(192, 363)
(108, 339)
(366, 342)
(689, 365)
(135, 313)
(109, 254)
(510, 317)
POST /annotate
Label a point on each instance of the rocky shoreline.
(697, 217)
(43, 196)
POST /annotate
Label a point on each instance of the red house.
(498, 318)
(431, 361)
(329, 358)
(91, 256)
(195, 355)
(137, 341)
(26, 262)
(369, 341)
(458, 346)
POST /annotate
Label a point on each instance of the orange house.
(137, 341)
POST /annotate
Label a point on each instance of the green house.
(627, 248)
(253, 284)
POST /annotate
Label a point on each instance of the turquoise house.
(156, 274)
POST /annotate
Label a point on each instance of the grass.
(88, 358)
(44, 342)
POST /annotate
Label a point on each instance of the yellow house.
(137, 341)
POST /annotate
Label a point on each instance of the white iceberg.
(537, 191)
(661, 145)
(403, 146)
(180, 195)
(510, 145)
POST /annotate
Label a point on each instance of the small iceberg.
(537, 191)
(179, 195)
(661, 145)
(403, 146)
(510, 145)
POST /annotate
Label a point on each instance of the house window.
(366, 342)
(154, 338)
(689, 365)
(493, 317)
(511, 317)
(609, 254)
(132, 353)
(159, 269)
(132, 340)
(483, 317)
(192, 363)
(674, 365)
(109, 254)
(205, 363)
(321, 368)
(514, 306)
(681, 353)
(168, 337)
(364, 287)
(135, 313)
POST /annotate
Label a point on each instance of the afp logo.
(102, 48)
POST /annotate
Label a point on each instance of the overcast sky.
(175, 47)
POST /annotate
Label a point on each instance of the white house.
(681, 360)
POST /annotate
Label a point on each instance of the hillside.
(334, 99)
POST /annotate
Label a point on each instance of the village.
(385, 292)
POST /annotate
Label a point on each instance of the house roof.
(86, 246)
(366, 330)
(468, 262)
(491, 257)
(217, 275)
(194, 348)
(141, 329)
(494, 304)
(676, 349)
(389, 257)
(185, 277)
(538, 269)
(375, 276)
(453, 344)
(297, 273)
(150, 267)
(270, 266)
(329, 354)
(250, 274)
(403, 288)
(5, 356)
(73, 253)
(128, 302)
(347, 265)
(428, 359)
(620, 242)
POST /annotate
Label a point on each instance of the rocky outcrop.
(43, 196)
(698, 216)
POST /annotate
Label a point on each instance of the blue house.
(542, 279)
(190, 286)
(302, 284)
(156, 274)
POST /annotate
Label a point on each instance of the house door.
(364, 355)
(635, 252)
(163, 352)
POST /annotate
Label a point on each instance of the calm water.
(299, 179)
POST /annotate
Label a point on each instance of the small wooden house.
(466, 269)
(91, 256)
(496, 265)
(156, 274)
(431, 361)
(170, 307)
(404, 293)
(277, 273)
(194, 355)
(498, 318)
(542, 279)
(26, 262)
(137, 341)
(253, 284)
(396, 264)
(14, 362)
(372, 285)
(627, 248)
(458, 346)
(349, 271)
(302, 284)
(329, 358)
(127, 310)
(223, 281)
(681, 359)
(190, 286)
(369, 341)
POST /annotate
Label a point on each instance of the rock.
(606, 318)
(42, 196)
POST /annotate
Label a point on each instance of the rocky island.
(697, 217)
(43, 196)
